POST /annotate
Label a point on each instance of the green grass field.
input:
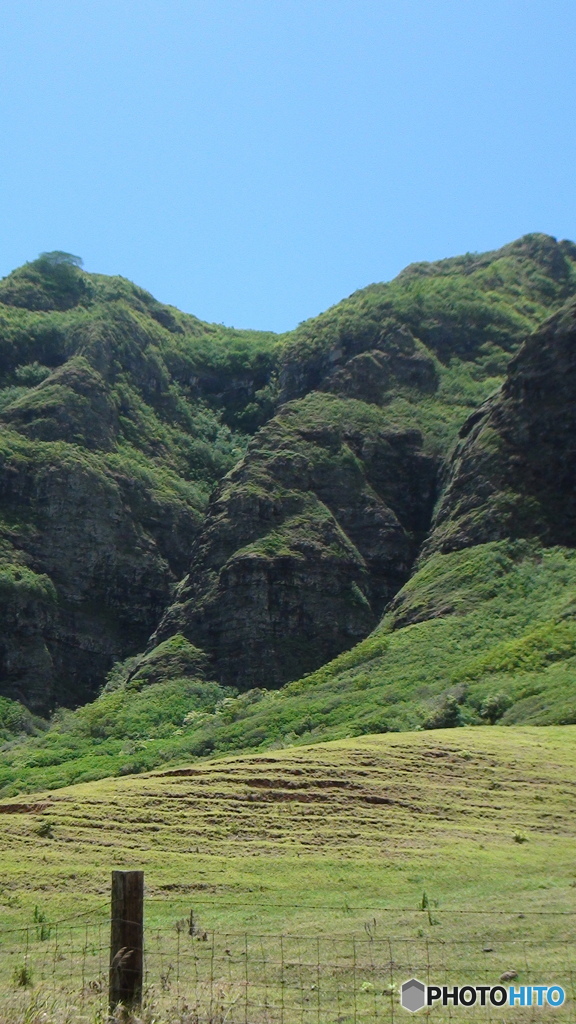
(449, 848)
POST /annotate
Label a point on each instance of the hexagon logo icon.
(413, 995)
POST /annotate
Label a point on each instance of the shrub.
(447, 716)
(31, 374)
(43, 929)
(14, 717)
(22, 976)
(53, 281)
(493, 707)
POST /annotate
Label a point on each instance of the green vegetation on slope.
(252, 817)
(317, 527)
(461, 318)
(491, 637)
(305, 541)
(477, 307)
(495, 619)
(120, 416)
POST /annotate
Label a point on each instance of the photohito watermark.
(415, 995)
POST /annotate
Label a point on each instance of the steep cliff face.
(317, 529)
(111, 549)
(107, 456)
(305, 542)
(513, 473)
(28, 612)
(119, 416)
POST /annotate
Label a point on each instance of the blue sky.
(254, 161)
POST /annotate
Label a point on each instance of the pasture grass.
(456, 845)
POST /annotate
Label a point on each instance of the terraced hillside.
(460, 841)
(368, 815)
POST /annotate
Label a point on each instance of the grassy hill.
(453, 844)
(385, 812)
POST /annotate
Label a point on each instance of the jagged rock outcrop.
(106, 462)
(304, 542)
(371, 364)
(96, 538)
(119, 416)
(394, 363)
(477, 308)
(513, 473)
(73, 404)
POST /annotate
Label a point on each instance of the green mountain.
(364, 525)
(308, 539)
(118, 416)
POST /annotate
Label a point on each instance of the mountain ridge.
(264, 500)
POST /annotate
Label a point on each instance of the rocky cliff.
(108, 453)
(265, 497)
(317, 529)
(305, 542)
(513, 473)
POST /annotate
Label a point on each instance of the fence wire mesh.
(194, 976)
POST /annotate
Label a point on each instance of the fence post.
(126, 938)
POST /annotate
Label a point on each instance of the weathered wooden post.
(126, 939)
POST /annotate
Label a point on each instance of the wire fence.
(194, 975)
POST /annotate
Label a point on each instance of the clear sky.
(254, 161)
